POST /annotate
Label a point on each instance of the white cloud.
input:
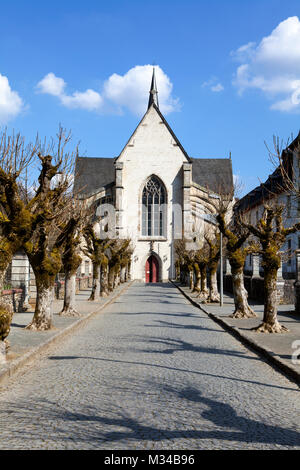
(131, 90)
(10, 102)
(53, 85)
(213, 85)
(89, 100)
(273, 66)
(217, 88)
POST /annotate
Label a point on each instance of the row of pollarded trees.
(111, 261)
(195, 267)
(47, 222)
(267, 238)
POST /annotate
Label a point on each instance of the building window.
(153, 208)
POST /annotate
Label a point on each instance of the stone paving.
(24, 341)
(283, 349)
(150, 372)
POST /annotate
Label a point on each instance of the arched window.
(153, 208)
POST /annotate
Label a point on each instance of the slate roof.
(92, 174)
(214, 174)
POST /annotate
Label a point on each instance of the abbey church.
(156, 191)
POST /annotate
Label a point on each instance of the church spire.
(153, 98)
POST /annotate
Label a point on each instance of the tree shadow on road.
(170, 368)
(177, 345)
(180, 326)
(115, 424)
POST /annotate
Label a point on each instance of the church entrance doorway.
(152, 269)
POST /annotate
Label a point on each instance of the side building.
(276, 190)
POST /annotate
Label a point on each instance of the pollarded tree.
(96, 249)
(45, 247)
(125, 263)
(220, 206)
(17, 217)
(213, 261)
(119, 251)
(17, 221)
(71, 255)
(184, 260)
(201, 260)
(272, 235)
(237, 251)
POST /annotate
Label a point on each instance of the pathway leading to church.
(150, 372)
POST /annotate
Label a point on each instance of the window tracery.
(153, 202)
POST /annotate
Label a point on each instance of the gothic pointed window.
(153, 208)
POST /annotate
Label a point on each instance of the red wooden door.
(152, 269)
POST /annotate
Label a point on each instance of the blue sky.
(228, 73)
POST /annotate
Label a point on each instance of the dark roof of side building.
(214, 174)
(92, 174)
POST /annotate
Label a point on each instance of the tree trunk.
(95, 293)
(214, 295)
(177, 267)
(42, 318)
(104, 280)
(204, 292)
(117, 276)
(111, 278)
(129, 271)
(240, 294)
(2, 352)
(122, 274)
(197, 285)
(270, 322)
(69, 309)
(6, 315)
(191, 277)
(2, 277)
(117, 280)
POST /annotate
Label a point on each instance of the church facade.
(152, 193)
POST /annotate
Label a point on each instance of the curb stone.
(15, 365)
(272, 358)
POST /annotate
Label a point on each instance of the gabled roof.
(153, 105)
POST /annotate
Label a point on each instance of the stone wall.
(14, 298)
(82, 283)
(255, 288)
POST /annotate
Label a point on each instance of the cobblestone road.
(150, 372)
